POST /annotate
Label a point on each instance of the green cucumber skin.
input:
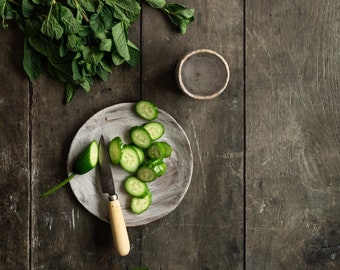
(141, 174)
(147, 110)
(87, 159)
(135, 135)
(116, 150)
(127, 149)
(156, 166)
(140, 153)
(167, 148)
(155, 129)
(130, 186)
(136, 206)
(156, 150)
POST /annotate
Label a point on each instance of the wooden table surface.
(265, 188)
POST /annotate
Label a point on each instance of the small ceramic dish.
(202, 74)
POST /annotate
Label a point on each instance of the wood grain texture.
(14, 154)
(205, 231)
(292, 104)
(291, 150)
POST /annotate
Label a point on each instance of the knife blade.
(118, 226)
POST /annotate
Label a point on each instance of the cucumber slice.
(87, 159)
(140, 137)
(139, 205)
(116, 150)
(167, 149)
(146, 174)
(150, 170)
(140, 153)
(130, 159)
(135, 187)
(161, 168)
(156, 150)
(147, 110)
(155, 129)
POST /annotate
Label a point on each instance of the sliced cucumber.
(130, 159)
(140, 153)
(167, 149)
(140, 137)
(161, 168)
(139, 205)
(146, 174)
(150, 170)
(156, 150)
(135, 187)
(147, 110)
(155, 129)
(116, 150)
(87, 159)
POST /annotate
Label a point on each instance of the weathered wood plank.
(205, 231)
(14, 154)
(292, 165)
(64, 234)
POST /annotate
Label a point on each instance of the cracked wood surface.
(275, 129)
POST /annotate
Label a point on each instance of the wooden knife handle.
(118, 227)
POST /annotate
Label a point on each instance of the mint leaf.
(106, 45)
(69, 92)
(76, 74)
(103, 71)
(99, 22)
(33, 61)
(51, 28)
(116, 58)
(44, 46)
(134, 54)
(75, 43)
(92, 55)
(120, 40)
(27, 8)
(81, 39)
(125, 10)
(156, 3)
(88, 5)
(32, 26)
(86, 84)
(71, 25)
(179, 16)
(60, 70)
(63, 49)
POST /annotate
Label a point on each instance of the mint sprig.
(178, 14)
(78, 40)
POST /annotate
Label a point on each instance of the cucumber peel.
(140, 205)
(85, 161)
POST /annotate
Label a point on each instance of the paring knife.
(118, 227)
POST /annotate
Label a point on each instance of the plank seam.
(30, 189)
(244, 138)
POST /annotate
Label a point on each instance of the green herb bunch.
(78, 40)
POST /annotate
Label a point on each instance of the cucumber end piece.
(87, 159)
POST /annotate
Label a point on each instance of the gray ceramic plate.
(168, 190)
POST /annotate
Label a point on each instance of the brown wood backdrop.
(276, 129)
